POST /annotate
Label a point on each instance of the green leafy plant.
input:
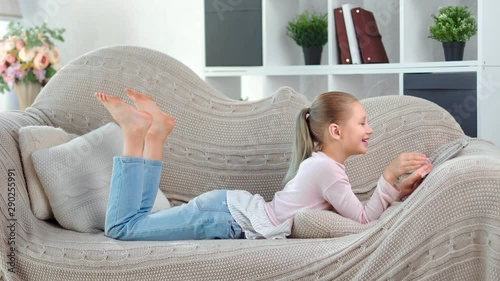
(28, 55)
(309, 29)
(35, 36)
(453, 24)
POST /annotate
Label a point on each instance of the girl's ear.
(334, 131)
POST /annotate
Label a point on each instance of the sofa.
(448, 229)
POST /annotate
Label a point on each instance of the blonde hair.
(311, 125)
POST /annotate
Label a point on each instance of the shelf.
(458, 66)
(416, 46)
(278, 48)
(403, 25)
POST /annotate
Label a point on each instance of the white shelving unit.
(403, 25)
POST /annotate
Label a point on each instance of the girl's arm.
(345, 202)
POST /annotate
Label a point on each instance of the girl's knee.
(112, 232)
(121, 231)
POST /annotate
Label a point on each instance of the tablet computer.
(447, 153)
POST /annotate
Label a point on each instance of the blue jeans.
(134, 185)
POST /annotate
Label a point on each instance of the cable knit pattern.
(32, 138)
(447, 230)
(217, 143)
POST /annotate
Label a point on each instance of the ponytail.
(302, 146)
(312, 124)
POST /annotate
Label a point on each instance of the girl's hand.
(405, 163)
(410, 184)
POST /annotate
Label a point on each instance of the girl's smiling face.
(355, 132)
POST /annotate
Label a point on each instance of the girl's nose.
(369, 130)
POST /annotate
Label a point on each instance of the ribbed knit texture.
(447, 230)
(32, 138)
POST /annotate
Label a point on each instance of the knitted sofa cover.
(447, 230)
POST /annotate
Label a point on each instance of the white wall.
(174, 27)
(170, 26)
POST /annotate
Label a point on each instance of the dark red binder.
(341, 35)
(370, 43)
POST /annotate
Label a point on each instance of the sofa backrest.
(217, 143)
(220, 143)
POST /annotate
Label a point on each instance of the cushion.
(32, 138)
(76, 177)
(329, 224)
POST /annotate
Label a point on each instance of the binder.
(369, 39)
(341, 35)
(351, 34)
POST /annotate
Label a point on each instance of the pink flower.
(3, 67)
(10, 58)
(19, 45)
(53, 56)
(2, 57)
(8, 79)
(41, 61)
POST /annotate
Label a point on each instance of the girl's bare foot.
(132, 121)
(162, 124)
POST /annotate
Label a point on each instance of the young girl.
(332, 129)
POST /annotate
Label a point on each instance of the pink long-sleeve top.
(321, 183)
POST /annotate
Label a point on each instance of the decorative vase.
(26, 93)
(312, 55)
(453, 51)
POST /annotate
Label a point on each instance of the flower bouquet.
(28, 56)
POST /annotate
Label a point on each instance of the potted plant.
(310, 31)
(453, 26)
(28, 59)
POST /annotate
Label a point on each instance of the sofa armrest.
(475, 171)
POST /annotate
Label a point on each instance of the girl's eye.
(363, 124)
